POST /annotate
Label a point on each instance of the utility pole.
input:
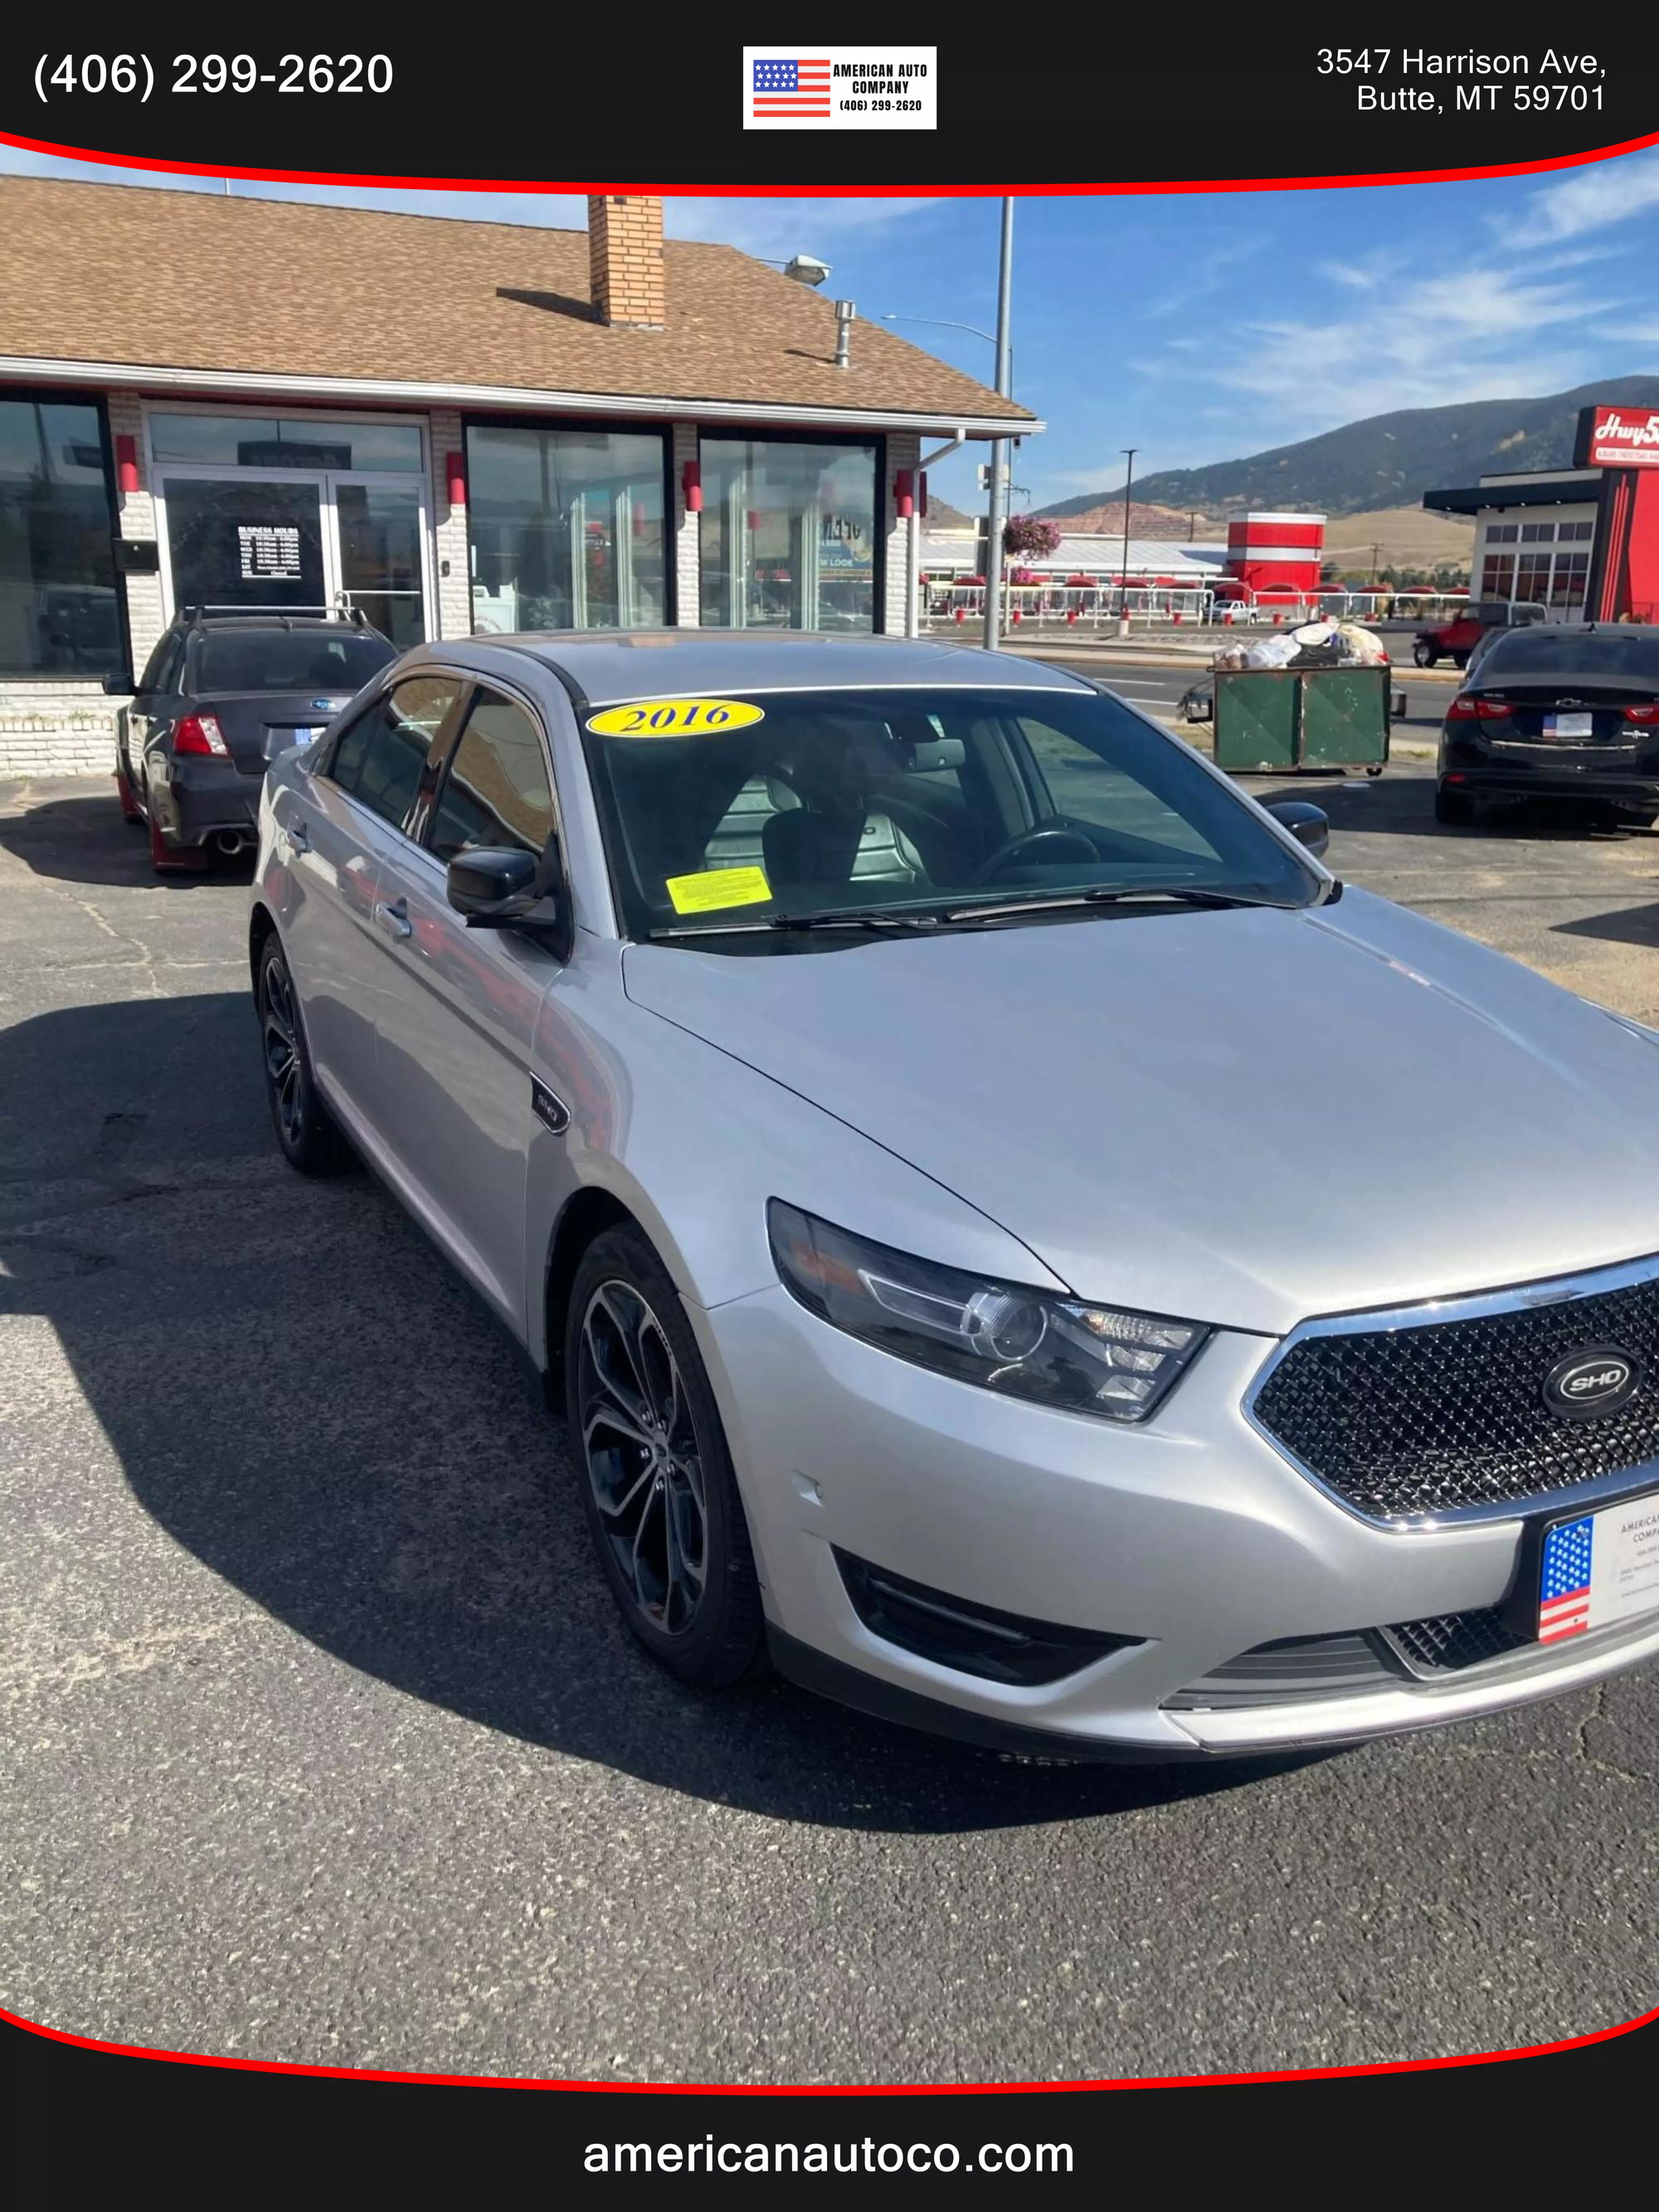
(1129, 453)
(1000, 467)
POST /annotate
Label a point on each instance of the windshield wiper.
(1185, 893)
(851, 918)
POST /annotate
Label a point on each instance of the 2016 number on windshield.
(675, 717)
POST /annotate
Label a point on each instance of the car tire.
(1455, 808)
(1460, 660)
(656, 1474)
(307, 1134)
(1424, 655)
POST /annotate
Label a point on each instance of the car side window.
(158, 671)
(380, 757)
(497, 791)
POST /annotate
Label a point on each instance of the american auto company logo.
(1632, 440)
(1592, 1383)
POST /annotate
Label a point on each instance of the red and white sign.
(1623, 438)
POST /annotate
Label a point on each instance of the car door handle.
(299, 836)
(395, 918)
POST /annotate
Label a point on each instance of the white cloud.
(1586, 199)
(1476, 333)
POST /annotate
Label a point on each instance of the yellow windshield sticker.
(717, 887)
(675, 717)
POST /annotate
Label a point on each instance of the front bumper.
(1193, 1535)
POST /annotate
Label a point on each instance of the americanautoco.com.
(708, 2156)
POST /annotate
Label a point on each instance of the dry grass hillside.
(1405, 536)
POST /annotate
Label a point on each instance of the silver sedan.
(1012, 1237)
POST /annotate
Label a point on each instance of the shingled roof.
(144, 278)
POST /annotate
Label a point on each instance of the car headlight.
(1022, 1343)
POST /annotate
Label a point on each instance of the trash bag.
(1363, 648)
(1278, 651)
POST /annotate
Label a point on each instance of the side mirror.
(1310, 826)
(118, 687)
(493, 887)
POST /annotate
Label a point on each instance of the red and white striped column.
(1277, 556)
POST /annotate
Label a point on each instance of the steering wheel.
(1040, 833)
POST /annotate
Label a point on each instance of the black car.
(1567, 713)
(224, 692)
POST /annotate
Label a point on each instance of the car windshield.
(1618, 656)
(289, 660)
(749, 812)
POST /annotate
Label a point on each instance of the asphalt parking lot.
(322, 1741)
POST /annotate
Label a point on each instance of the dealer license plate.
(1599, 1569)
(304, 736)
(1569, 725)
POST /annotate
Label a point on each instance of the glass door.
(380, 522)
(246, 541)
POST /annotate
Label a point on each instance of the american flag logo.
(789, 91)
(1564, 1599)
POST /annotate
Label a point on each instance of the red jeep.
(1456, 639)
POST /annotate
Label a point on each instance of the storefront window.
(60, 614)
(245, 441)
(1497, 576)
(788, 535)
(567, 528)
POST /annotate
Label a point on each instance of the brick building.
(454, 426)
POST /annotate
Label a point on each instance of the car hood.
(1244, 1116)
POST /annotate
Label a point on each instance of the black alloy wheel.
(310, 1138)
(661, 1496)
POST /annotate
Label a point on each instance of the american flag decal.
(790, 90)
(1564, 1596)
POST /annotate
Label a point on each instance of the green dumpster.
(1269, 720)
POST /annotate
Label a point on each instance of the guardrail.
(1091, 606)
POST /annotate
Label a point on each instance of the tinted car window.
(1619, 656)
(289, 660)
(158, 673)
(380, 756)
(497, 791)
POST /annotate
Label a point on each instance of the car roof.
(330, 623)
(620, 665)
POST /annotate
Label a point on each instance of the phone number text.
(135, 75)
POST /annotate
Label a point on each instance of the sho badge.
(1588, 1385)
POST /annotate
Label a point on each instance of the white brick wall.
(55, 729)
(904, 452)
(455, 590)
(688, 559)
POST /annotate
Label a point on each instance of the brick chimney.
(625, 260)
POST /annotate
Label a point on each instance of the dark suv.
(225, 691)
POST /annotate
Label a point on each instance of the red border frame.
(885, 2089)
(847, 2089)
(828, 191)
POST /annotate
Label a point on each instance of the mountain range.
(1384, 461)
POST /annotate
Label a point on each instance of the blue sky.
(1201, 326)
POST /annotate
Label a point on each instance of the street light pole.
(999, 445)
(1129, 453)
